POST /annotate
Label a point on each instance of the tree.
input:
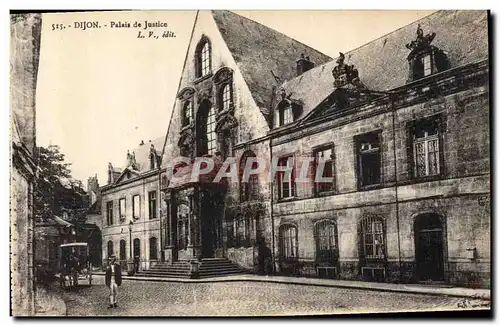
(55, 188)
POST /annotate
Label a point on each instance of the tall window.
(325, 158)
(225, 97)
(249, 184)
(203, 58)
(152, 204)
(136, 206)
(123, 250)
(288, 242)
(369, 159)
(137, 247)
(286, 185)
(373, 235)
(426, 148)
(211, 136)
(109, 212)
(122, 209)
(187, 113)
(325, 234)
(153, 248)
(111, 251)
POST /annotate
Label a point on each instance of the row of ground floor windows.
(136, 249)
(326, 239)
(429, 241)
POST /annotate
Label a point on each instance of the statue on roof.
(345, 74)
(421, 41)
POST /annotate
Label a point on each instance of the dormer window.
(422, 66)
(427, 64)
(187, 113)
(152, 162)
(425, 59)
(284, 114)
(203, 58)
(288, 110)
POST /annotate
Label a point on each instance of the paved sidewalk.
(49, 303)
(387, 287)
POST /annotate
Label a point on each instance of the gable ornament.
(344, 74)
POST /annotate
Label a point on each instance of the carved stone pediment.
(342, 99)
(186, 93)
(222, 75)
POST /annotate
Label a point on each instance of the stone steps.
(209, 267)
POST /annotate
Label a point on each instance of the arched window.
(373, 237)
(187, 113)
(325, 236)
(249, 183)
(137, 248)
(153, 248)
(110, 248)
(203, 58)
(225, 97)
(288, 242)
(123, 250)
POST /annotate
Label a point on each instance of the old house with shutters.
(401, 126)
(129, 207)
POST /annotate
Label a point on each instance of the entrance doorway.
(207, 230)
(429, 247)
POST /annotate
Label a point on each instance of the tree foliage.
(55, 188)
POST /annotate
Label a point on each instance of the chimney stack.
(304, 64)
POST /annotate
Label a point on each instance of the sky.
(101, 91)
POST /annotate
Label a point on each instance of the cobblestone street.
(140, 298)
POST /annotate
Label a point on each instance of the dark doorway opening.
(208, 228)
(429, 247)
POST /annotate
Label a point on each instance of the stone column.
(169, 228)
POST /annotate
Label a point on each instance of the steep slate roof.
(261, 51)
(382, 63)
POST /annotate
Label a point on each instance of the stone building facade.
(24, 53)
(130, 223)
(401, 125)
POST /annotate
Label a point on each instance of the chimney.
(304, 64)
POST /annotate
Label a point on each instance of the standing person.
(113, 281)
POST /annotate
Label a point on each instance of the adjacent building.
(130, 209)
(24, 53)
